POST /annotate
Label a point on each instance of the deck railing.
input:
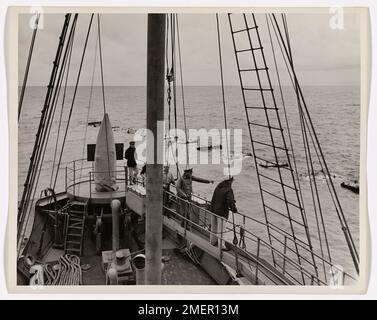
(256, 245)
(249, 242)
(77, 174)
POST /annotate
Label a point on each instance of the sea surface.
(335, 113)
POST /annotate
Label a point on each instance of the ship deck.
(178, 270)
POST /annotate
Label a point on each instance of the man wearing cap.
(184, 191)
(129, 155)
(222, 201)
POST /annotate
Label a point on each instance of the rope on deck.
(67, 272)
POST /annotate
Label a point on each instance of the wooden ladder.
(74, 235)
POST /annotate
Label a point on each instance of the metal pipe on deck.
(115, 208)
(155, 113)
(139, 263)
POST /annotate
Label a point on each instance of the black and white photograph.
(188, 148)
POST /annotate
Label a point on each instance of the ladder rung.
(73, 249)
(285, 216)
(280, 198)
(74, 235)
(73, 242)
(265, 126)
(269, 145)
(76, 211)
(76, 224)
(254, 69)
(75, 227)
(258, 89)
(246, 29)
(73, 218)
(257, 48)
(262, 108)
(243, 50)
(274, 180)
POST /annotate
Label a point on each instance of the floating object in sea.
(209, 147)
(268, 164)
(94, 123)
(351, 185)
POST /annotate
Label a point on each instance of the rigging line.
(330, 191)
(173, 62)
(35, 157)
(31, 49)
(54, 103)
(308, 153)
(62, 107)
(323, 226)
(268, 121)
(251, 137)
(340, 213)
(43, 143)
(46, 105)
(223, 91)
(285, 111)
(74, 97)
(303, 213)
(101, 62)
(168, 96)
(308, 156)
(309, 166)
(168, 72)
(182, 91)
(289, 134)
(311, 136)
(294, 160)
(89, 107)
(103, 94)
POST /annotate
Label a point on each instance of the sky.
(322, 55)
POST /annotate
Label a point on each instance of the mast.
(155, 113)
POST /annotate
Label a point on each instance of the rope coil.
(67, 272)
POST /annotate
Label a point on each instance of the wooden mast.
(155, 113)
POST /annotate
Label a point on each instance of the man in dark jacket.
(222, 201)
(129, 155)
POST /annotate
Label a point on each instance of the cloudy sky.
(322, 56)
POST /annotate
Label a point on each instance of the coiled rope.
(67, 272)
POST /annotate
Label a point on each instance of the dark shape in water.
(273, 165)
(94, 123)
(209, 147)
(353, 186)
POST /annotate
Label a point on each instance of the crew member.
(129, 155)
(184, 191)
(222, 201)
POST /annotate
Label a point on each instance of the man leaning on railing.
(184, 191)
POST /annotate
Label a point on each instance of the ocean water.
(335, 112)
